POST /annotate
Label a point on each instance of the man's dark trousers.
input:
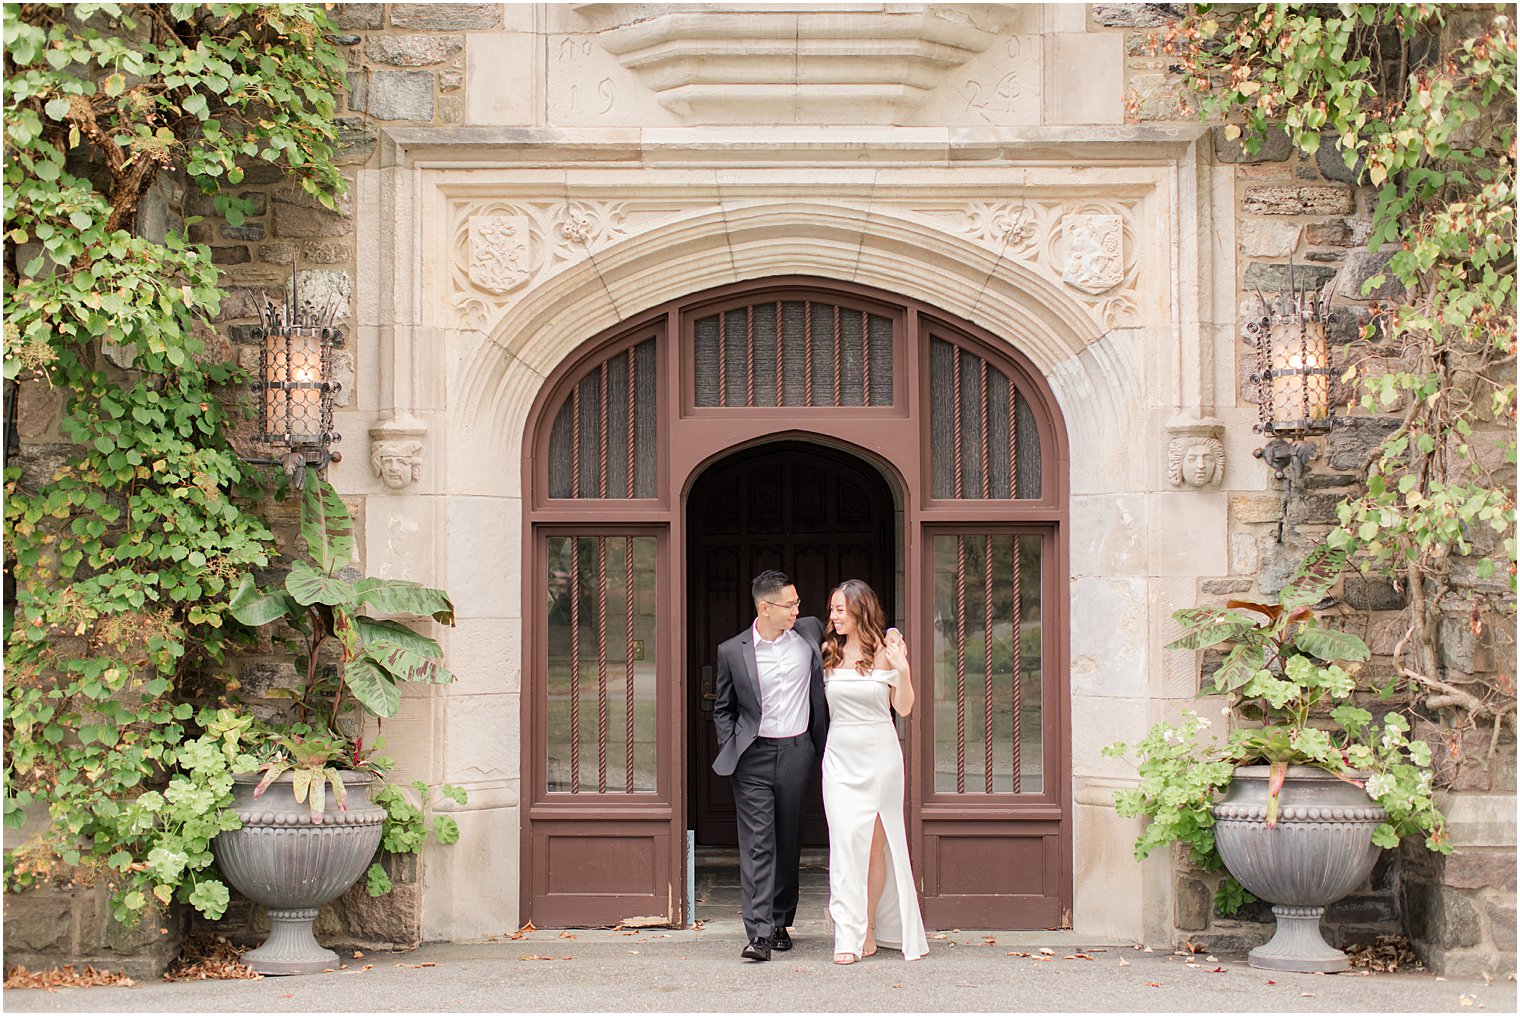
(770, 788)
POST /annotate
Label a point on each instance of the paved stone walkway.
(699, 970)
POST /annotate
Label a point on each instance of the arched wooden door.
(816, 513)
(963, 428)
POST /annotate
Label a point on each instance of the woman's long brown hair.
(861, 603)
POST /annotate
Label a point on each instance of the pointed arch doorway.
(817, 513)
(623, 437)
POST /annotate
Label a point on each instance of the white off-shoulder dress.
(863, 779)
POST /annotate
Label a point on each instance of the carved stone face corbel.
(1195, 455)
(396, 453)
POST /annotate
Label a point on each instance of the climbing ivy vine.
(1420, 101)
(126, 534)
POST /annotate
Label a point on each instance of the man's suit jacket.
(736, 695)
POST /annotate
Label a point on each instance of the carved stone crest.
(499, 254)
(1094, 252)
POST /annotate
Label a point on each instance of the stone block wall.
(414, 65)
(49, 926)
(1307, 218)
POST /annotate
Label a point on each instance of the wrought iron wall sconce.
(295, 388)
(1294, 376)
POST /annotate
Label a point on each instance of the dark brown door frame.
(689, 438)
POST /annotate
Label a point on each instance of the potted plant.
(1312, 784)
(309, 823)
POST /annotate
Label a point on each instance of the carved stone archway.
(976, 226)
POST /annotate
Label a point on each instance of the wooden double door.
(755, 426)
(820, 516)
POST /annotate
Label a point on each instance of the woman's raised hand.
(896, 649)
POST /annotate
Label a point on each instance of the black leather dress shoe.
(781, 941)
(759, 949)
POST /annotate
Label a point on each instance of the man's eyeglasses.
(794, 605)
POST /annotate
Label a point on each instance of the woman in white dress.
(865, 671)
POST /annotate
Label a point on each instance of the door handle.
(708, 696)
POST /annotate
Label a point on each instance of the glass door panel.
(988, 719)
(602, 701)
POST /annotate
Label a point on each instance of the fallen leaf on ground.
(1218, 970)
(1467, 1000)
(1306, 994)
(566, 934)
(1079, 956)
(1023, 954)
(1271, 982)
(1047, 952)
(209, 958)
(989, 940)
(1124, 962)
(535, 956)
(358, 955)
(1385, 954)
(1152, 984)
(66, 977)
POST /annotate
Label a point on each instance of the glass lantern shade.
(1295, 365)
(295, 367)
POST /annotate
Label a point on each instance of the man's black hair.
(768, 583)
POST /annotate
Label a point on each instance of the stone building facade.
(537, 189)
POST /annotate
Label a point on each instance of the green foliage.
(1421, 97)
(126, 548)
(1296, 701)
(407, 827)
(377, 654)
(313, 762)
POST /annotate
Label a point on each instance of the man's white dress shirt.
(783, 667)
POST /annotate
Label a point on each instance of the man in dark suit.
(771, 717)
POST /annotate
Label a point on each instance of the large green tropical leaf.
(326, 524)
(375, 631)
(1209, 626)
(346, 632)
(1329, 645)
(1314, 577)
(310, 586)
(398, 596)
(405, 664)
(254, 605)
(1238, 667)
(371, 687)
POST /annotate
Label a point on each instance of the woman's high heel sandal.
(845, 959)
(870, 948)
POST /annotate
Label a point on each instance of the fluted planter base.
(291, 948)
(1319, 850)
(1298, 945)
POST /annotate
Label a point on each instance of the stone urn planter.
(283, 860)
(1320, 850)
